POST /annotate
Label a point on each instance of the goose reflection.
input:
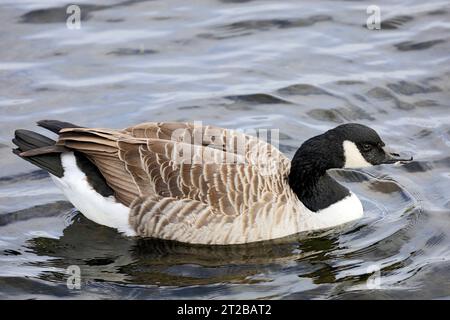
(104, 255)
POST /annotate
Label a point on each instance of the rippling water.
(302, 67)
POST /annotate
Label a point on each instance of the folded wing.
(224, 171)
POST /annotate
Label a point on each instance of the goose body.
(199, 184)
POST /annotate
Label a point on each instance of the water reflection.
(104, 255)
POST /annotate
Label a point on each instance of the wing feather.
(203, 181)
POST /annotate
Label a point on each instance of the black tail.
(27, 140)
(44, 153)
(56, 125)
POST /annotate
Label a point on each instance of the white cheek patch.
(353, 158)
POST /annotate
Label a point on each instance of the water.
(300, 67)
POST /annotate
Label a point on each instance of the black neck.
(310, 181)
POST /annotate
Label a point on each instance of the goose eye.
(366, 147)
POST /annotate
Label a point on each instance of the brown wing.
(229, 187)
(255, 151)
(142, 161)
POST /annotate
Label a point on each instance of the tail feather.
(56, 125)
(50, 162)
(46, 154)
(26, 140)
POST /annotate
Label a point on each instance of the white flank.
(95, 207)
(353, 158)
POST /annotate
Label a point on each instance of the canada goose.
(140, 181)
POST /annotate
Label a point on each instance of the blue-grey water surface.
(299, 66)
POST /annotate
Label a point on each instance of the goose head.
(359, 146)
(349, 145)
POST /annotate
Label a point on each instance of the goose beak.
(392, 157)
